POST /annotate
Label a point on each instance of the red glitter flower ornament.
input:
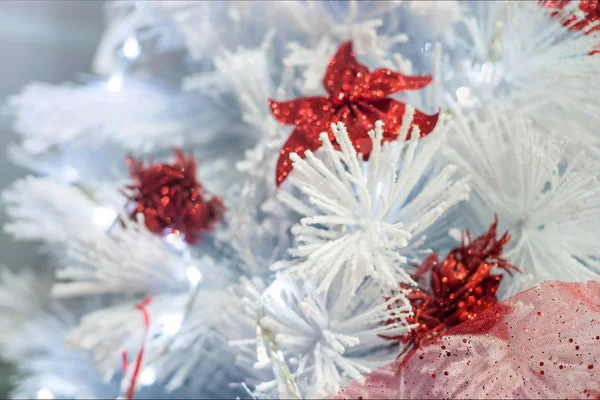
(461, 287)
(170, 197)
(358, 98)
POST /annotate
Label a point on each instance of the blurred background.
(40, 40)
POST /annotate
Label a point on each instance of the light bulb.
(131, 48)
(148, 376)
(104, 217)
(114, 83)
(177, 240)
(193, 275)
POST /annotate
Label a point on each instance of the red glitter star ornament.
(461, 287)
(170, 197)
(355, 97)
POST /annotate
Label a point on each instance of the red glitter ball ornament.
(356, 97)
(170, 197)
(460, 288)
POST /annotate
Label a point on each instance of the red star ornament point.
(355, 97)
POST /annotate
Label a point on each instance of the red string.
(124, 360)
(138, 363)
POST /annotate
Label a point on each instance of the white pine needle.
(550, 209)
(366, 214)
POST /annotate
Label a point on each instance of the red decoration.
(542, 343)
(169, 196)
(357, 98)
(590, 13)
(461, 288)
(138, 362)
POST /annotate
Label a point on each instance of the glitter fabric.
(461, 288)
(170, 197)
(357, 98)
(543, 343)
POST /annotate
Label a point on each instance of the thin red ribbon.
(138, 363)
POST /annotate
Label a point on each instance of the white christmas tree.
(211, 273)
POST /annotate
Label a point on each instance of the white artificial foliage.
(247, 73)
(145, 20)
(108, 332)
(32, 333)
(346, 231)
(256, 228)
(43, 209)
(199, 345)
(435, 17)
(363, 215)
(326, 337)
(136, 116)
(548, 68)
(241, 315)
(430, 98)
(207, 27)
(256, 235)
(353, 20)
(548, 202)
(130, 259)
(517, 54)
(313, 61)
(180, 339)
(362, 28)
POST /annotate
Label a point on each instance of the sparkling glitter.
(469, 289)
(356, 97)
(170, 197)
(589, 13)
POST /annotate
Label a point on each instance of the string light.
(115, 82)
(104, 217)
(44, 394)
(177, 240)
(131, 48)
(148, 376)
(193, 275)
(172, 325)
(463, 94)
